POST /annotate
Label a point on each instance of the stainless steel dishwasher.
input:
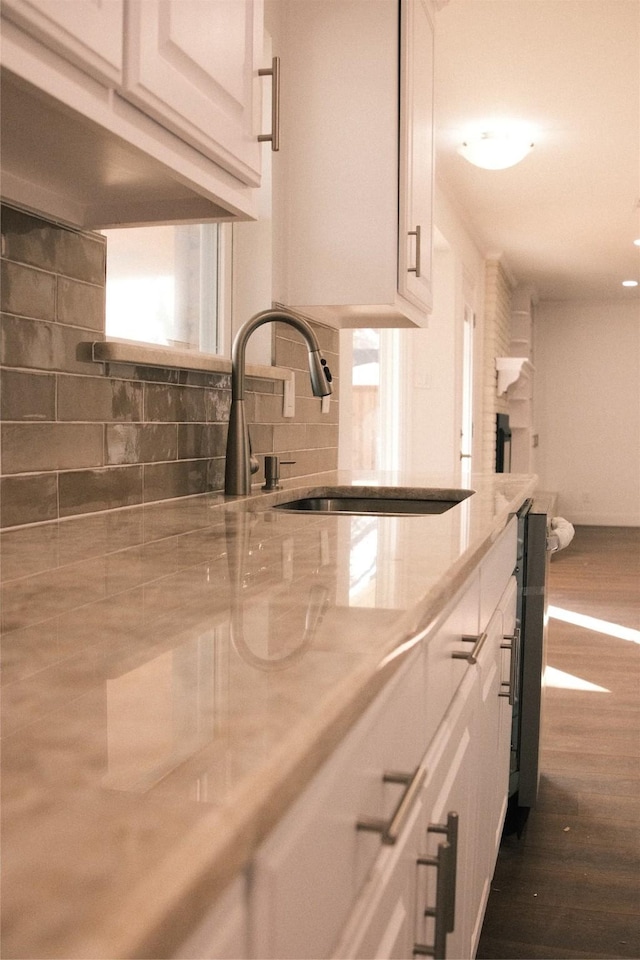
(531, 573)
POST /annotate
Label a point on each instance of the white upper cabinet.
(193, 66)
(127, 112)
(416, 154)
(86, 32)
(353, 178)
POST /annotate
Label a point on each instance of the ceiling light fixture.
(629, 283)
(496, 148)
(637, 242)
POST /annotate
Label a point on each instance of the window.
(371, 411)
(165, 286)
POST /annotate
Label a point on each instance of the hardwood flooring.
(569, 887)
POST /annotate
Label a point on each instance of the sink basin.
(379, 501)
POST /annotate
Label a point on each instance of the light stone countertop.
(174, 675)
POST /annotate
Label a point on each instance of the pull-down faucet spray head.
(238, 469)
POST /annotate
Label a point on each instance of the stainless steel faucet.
(239, 466)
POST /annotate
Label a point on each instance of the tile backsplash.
(79, 436)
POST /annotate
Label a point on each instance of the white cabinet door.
(316, 864)
(222, 933)
(382, 924)
(450, 789)
(86, 32)
(337, 176)
(492, 745)
(416, 153)
(193, 66)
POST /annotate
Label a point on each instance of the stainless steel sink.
(380, 501)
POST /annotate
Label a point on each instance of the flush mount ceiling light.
(629, 283)
(496, 149)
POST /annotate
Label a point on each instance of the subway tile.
(187, 378)
(96, 398)
(81, 256)
(263, 385)
(31, 447)
(35, 344)
(85, 491)
(30, 499)
(215, 473)
(217, 406)
(150, 374)
(141, 443)
(289, 435)
(39, 242)
(28, 239)
(321, 436)
(173, 403)
(27, 292)
(80, 304)
(164, 481)
(268, 408)
(261, 438)
(122, 443)
(196, 440)
(27, 396)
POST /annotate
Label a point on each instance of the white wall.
(587, 359)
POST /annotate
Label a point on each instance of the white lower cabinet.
(307, 876)
(390, 850)
(223, 933)
(446, 854)
(383, 921)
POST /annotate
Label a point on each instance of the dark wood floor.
(569, 887)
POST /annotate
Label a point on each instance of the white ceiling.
(565, 218)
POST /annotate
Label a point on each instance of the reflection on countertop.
(174, 674)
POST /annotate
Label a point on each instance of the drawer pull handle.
(514, 666)
(415, 233)
(450, 830)
(442, 910)
(472, 656)
(390, 830)
(274, 72)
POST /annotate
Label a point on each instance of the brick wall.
(497, 336)
(79, 436)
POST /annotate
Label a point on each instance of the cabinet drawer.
(495, 570)
(317, 847)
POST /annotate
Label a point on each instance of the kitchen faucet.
(239, 463)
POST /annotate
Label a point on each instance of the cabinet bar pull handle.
(415, 233)
(442, 910)
(450, 829)
(514, 664)
(390, 830)
(478, 643)
(274, 72)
